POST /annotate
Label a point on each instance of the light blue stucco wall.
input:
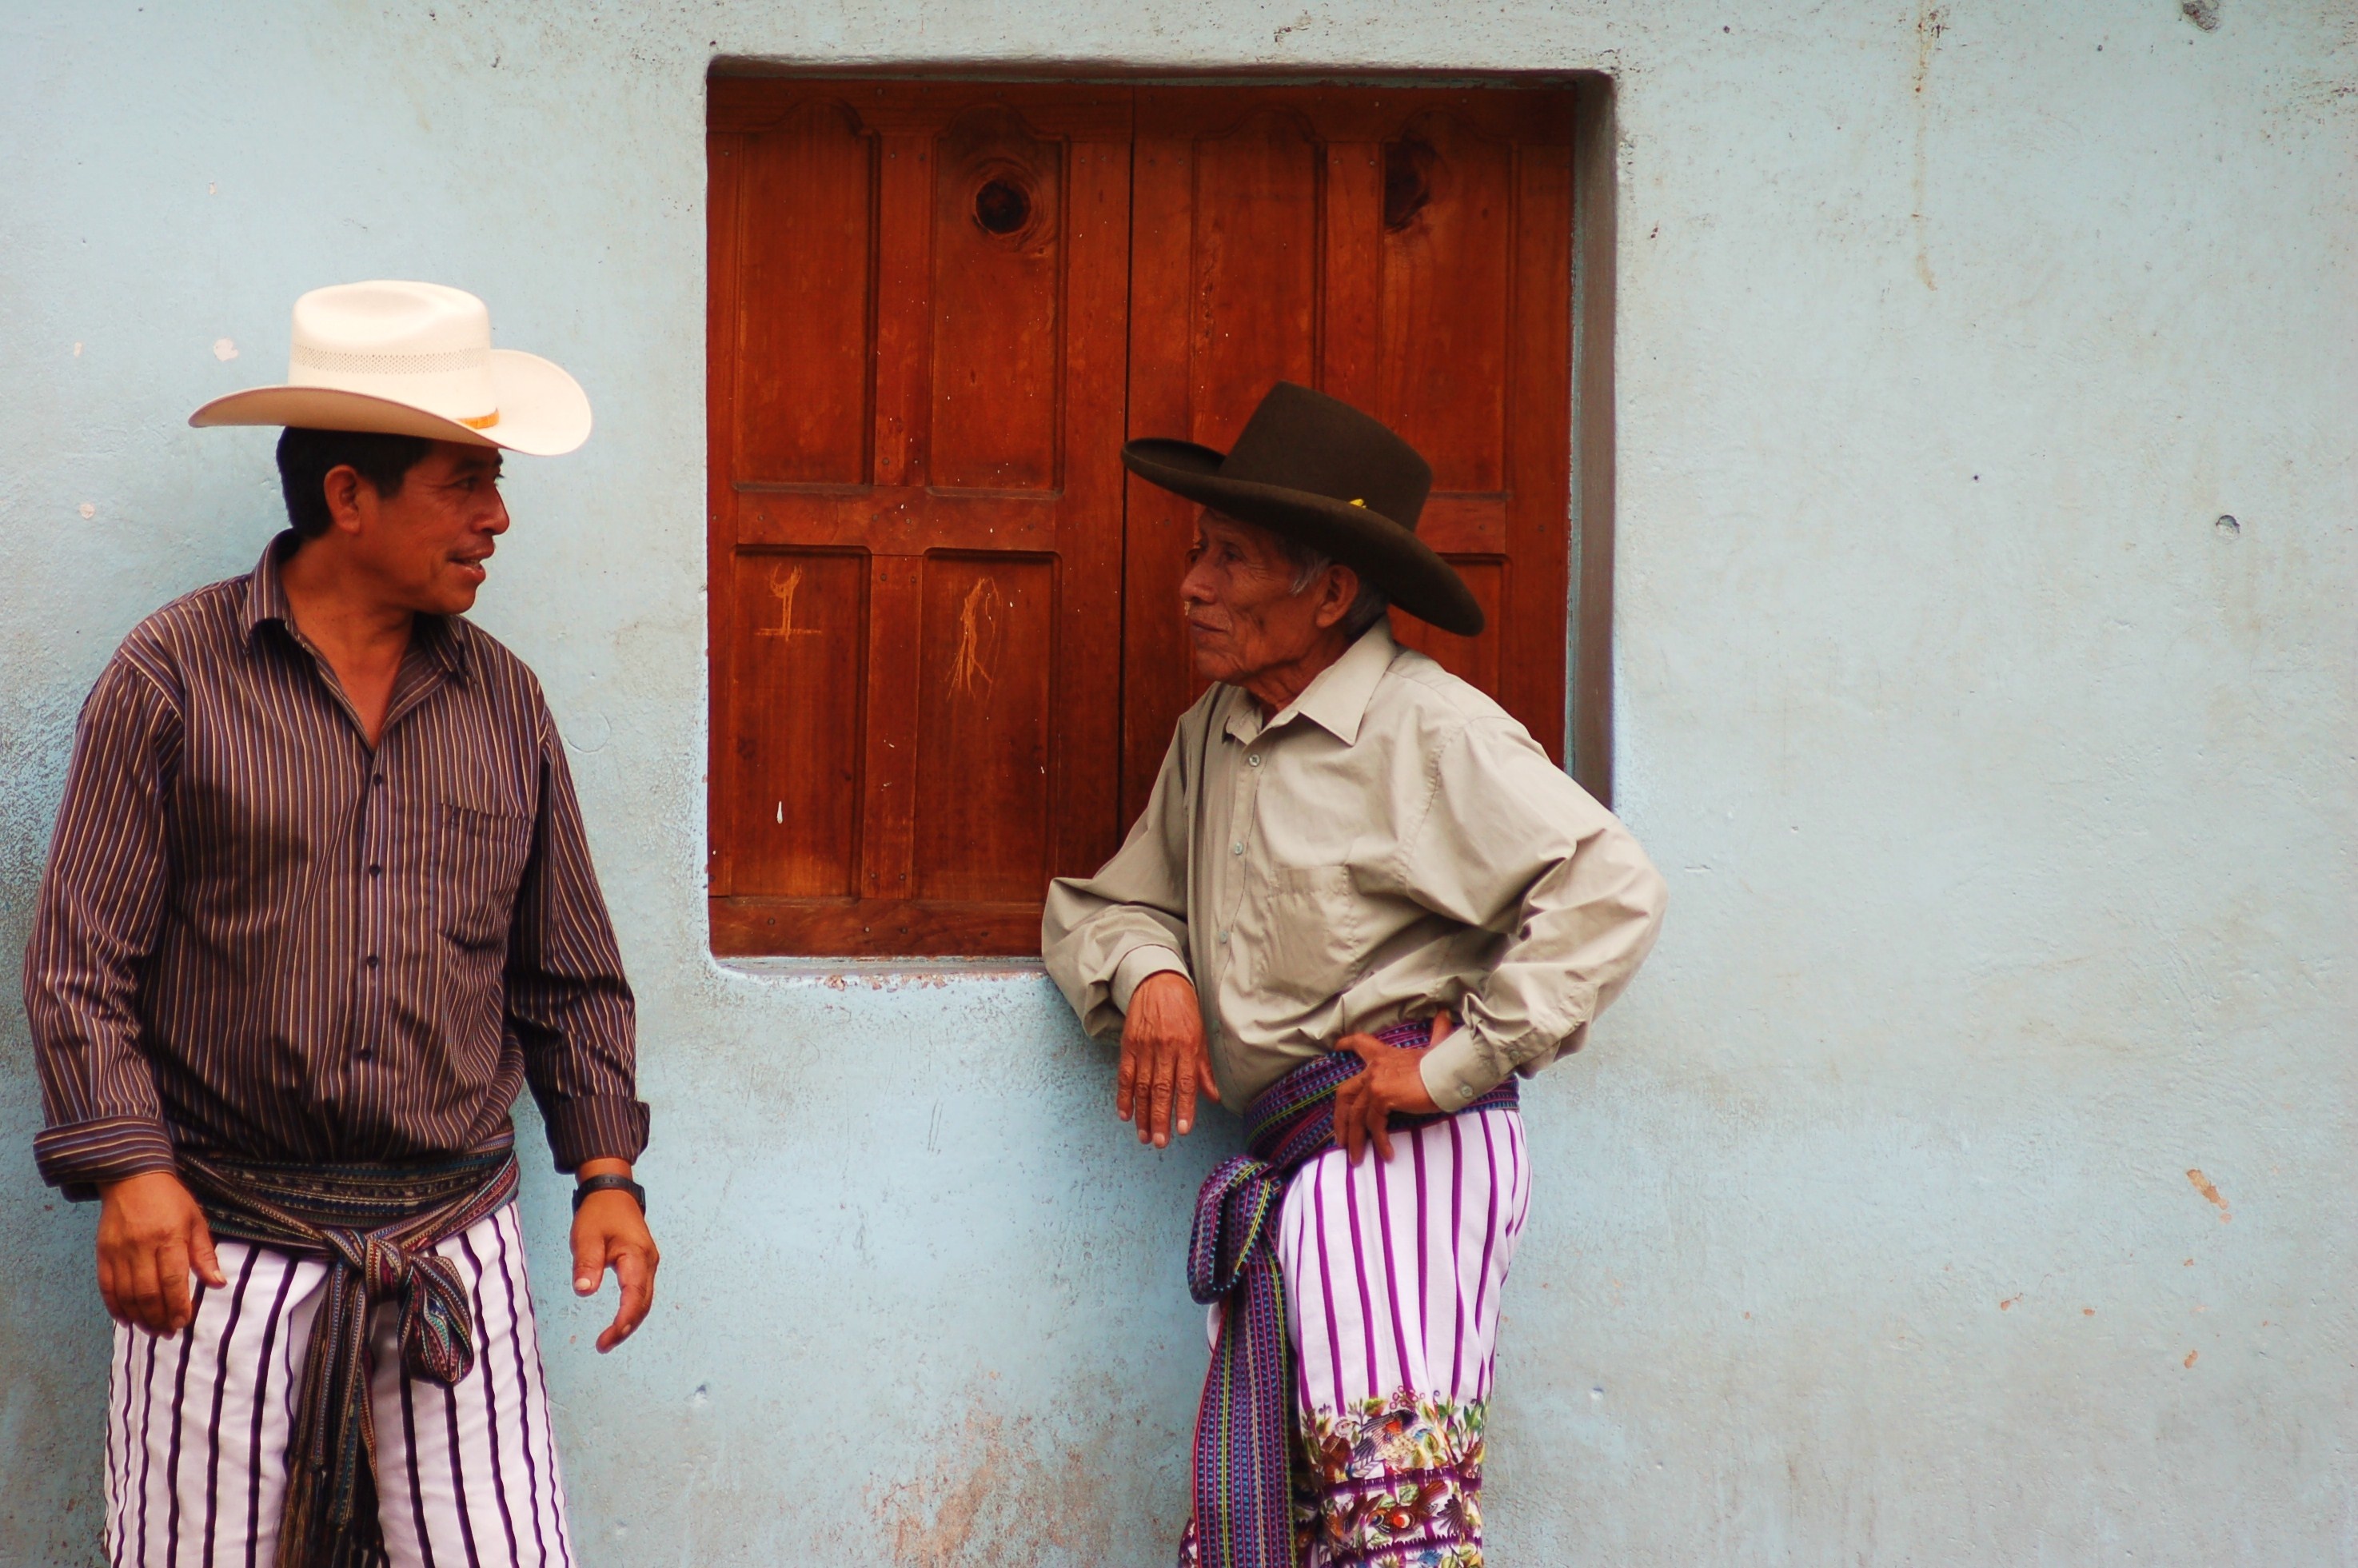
(2006, 797)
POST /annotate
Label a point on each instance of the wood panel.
(1433, 291)
(1533, 621)
(997, 268)
(1448, 205)
(1252, 298)
(797, 679)
(944, 438)
(805, 266)
(987, 653)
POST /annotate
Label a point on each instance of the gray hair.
(1372, 605)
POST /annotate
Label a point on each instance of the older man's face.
(1243, 616)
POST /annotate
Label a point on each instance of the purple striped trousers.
(197, 1424)
(1393, 1269)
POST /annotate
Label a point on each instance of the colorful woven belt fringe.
(1244, 1427)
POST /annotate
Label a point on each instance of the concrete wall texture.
(2006, 788)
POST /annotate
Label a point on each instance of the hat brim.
(544, 413)
(1411, 573)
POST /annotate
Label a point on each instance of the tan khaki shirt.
(1392, 844)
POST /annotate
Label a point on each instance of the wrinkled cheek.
(1212, 664)
(1243, 640)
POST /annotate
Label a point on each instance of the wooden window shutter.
(944, 641)
(919, 333)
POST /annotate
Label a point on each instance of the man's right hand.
(150, 1234)
(1164, 1059)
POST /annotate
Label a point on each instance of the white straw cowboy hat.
(412, 359)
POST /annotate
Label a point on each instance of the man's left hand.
(1393, 1080)
(608, 1231)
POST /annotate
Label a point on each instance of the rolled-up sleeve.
(1101, 935)
(568, 1006)
(101, 904)
(1507, 841)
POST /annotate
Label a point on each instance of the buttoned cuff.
(1137, 965)
(1460, 1070)
(596, 1126)
(81, 1157)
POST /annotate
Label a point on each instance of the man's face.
(425, 545)
(1243, 616)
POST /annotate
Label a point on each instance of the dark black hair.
(305, 458)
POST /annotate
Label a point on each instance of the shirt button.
(376, 871)
(1236, 849)
(371, 960)
(377, 779)
(1223, 935)
(1253, 760)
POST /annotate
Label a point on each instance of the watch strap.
(608, 1184)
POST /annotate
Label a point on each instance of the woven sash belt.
(376, 1227)
(1243, 1428)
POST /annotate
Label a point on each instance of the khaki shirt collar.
(1337, 698)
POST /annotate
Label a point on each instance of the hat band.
(439, 382)
(349, 363)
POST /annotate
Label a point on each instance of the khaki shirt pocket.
(478, 864)
(1309, 932)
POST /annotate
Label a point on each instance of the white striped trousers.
(1394, 1267)
(197, 1424)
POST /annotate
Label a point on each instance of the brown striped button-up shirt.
(259, 937)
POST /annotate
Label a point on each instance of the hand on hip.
(1393, 1080)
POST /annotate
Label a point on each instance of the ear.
(1334, 600)
(344, 487)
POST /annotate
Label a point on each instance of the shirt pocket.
(479, 859)
(1310, 932)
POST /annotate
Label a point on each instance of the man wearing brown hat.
(1360, 902)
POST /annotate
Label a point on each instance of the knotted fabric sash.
(1244, 1426)
(376, 1227)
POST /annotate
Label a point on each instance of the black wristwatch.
(604, 1184)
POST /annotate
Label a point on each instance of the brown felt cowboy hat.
(1321, 473)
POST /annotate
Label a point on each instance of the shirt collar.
(1337, 698)
(266, 595)
(437, 636)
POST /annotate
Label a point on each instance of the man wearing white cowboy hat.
(1360, 902)
(318, 906)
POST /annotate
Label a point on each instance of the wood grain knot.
(1408, 184)
(1002, 207)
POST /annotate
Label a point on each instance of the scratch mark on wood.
(978, 636)
(783, 589)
